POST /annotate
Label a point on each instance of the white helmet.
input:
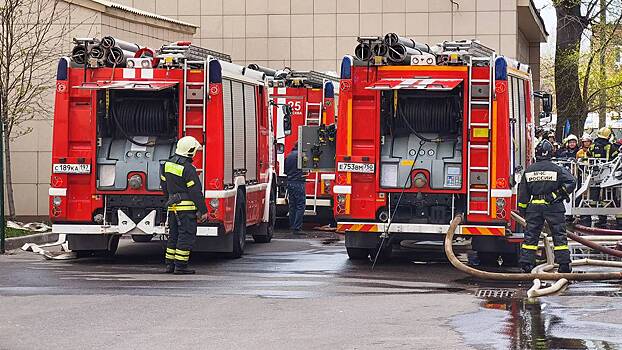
(586, 137)
(187, 146)
(571, 137)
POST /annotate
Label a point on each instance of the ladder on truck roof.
(195, 98)
(480, 99)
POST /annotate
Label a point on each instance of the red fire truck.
(113, 127)
(311, 96)
(425, 139)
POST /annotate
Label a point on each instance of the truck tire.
(141, 238)
(266, 229)
(239, 226)
(357, 253)
(113, 244)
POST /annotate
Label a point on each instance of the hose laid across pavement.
(502, 276)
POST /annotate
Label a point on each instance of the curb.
(37, 238)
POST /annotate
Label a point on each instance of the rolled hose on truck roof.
(501, 276)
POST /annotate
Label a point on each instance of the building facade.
(301, 34)
(315, 34)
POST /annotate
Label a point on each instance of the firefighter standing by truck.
(543, 188)
(186, 204)
(296, 195)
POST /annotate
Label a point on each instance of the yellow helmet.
(604, 132)
(187, 146)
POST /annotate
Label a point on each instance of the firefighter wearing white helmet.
(570, 149)
(586, 142)
(186, 204)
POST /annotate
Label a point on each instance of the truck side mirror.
(280, 148)
(287, 119)
(547, 103)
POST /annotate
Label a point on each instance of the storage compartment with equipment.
(421, 141)
(136, 132)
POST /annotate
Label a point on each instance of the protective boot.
(564, 268)
(183, 271)
(170, 268)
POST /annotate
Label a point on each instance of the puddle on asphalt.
(549, 323)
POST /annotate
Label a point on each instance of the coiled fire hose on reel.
(538, 273)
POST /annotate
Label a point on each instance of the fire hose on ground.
(538, 274)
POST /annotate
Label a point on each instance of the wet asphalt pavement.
(294, 293)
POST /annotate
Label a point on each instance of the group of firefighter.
(543, 188)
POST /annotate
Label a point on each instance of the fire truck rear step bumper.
(373, 227)
(310, 202)
(77, 229)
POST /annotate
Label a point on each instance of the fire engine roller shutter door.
(128, 85)
(415, 84)
(239, 156)
(251, 132)
(228, 131)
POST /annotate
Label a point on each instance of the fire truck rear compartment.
(136, 132)
(421, 152)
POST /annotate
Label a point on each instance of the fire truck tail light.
(214, 203)
(341, 199)
(98, 218)
(500, 203)
(57, 201)
(501, 182)
(326, 186)
(214, 184)
(106, 175)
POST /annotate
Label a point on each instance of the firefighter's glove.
(561, 195)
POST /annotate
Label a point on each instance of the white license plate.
(356, 167)
(71, 169)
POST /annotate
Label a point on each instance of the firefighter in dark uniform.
(604, 149)
(186, 204)
(543, 188)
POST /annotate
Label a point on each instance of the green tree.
(581, 85)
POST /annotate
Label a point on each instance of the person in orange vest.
(586, 142)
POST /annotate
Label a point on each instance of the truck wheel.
(357, 253)
(266, 229)
(239, 226)
(113, 244)
(141, 238)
